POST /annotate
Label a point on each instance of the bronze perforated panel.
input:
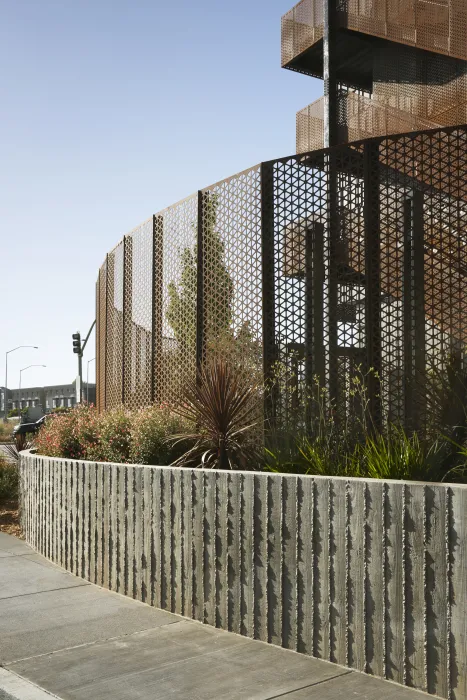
(114, 344)
(138, 316)
(232, 269)
(178, 265)
(101, 326)
(301, 27)
(440, 26)
(361, 117)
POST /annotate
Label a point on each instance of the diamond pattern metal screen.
(314, 270)
(114, 328)
(231, 229)
(101, 341)
(175, 291)
(138, 316)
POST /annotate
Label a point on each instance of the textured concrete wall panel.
(367, 574)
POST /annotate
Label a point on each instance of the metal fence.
(315, 268)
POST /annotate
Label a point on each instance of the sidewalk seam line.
(89, 644)
(310, 685)
(51, 590)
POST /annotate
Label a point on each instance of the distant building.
(49, 397)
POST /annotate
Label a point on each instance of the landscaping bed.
(9, 510)
(9, 519)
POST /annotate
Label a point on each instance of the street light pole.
(20, 373)
(35, 347)
(78, 349)
(87, 380)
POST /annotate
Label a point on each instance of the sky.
(112, 110)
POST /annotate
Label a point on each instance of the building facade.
(49, 397)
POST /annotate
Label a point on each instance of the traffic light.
(77, 343)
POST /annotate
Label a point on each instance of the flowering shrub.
(69, 434)
(118, 435)
(150, 429)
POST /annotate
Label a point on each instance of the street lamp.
(20, 372)
(87, 380)
(24, 369)
(35, 347)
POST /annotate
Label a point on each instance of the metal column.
(330, 74)
(157, 294)
(127, 355)
(200, 282)
(414, 312)
(333, 223)
(314, 315)
(372, 280)
(268, 297)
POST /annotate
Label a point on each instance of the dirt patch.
(9, 519)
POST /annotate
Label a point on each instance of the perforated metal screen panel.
(439, 27)
(401, 55)
(233, 270)
(313, 269)
(363, 117)
(114, 328)
(101, 318)
(175, 283)
(301, 27)
(138, 316)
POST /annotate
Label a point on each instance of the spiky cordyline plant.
(22, 442)
(222, 405)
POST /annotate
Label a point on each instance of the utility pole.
(331, 138)
(87, 380)
(330, 74)
(78, 349)
(35, 347)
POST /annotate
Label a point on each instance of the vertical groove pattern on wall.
(367, 574)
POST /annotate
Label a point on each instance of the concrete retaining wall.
(367, 574)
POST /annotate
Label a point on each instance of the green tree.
(218, 288)
(181, 310)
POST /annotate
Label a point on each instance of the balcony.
(302, 27)
(361, 117)
(438, 27)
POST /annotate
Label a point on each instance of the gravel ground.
(9, 519)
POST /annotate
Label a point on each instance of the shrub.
(117, 435)
(114, 437)
(8, 481)
(150, 430)
(6, 431)
(72, 434)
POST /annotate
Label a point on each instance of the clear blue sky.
(112, 110)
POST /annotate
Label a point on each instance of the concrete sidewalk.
(76, 641)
